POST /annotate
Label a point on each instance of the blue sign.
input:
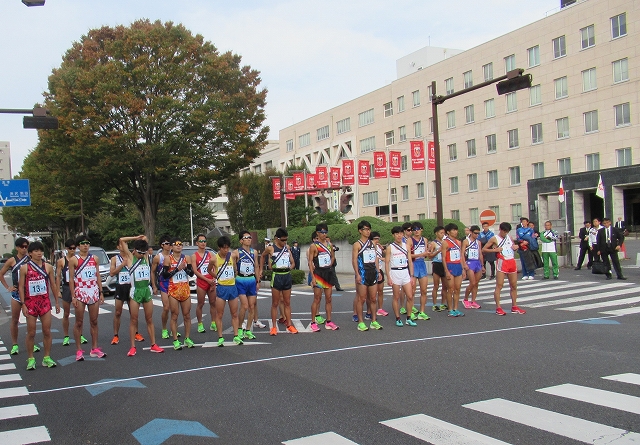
(94, 389)
(159, 430)
(15, 193)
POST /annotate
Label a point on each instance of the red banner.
(298, 179)
(432, 155)
(417, 155)
(348, 172)
(379, 165)
(275, 186)
(395, 164)
(289, 186)
(363, 172)
(311, 180)
(334, 177)
(322, 181)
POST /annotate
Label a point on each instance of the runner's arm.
(73, 262)
(22, 281)
(56, 289)
(354, 260)
(59, 266)
(7, 265)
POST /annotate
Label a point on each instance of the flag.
(363, 172)
(600, 190)
(561, 192)
(395, 164)
(417, 155)
(298, 179)
(311, 181)
(334, 176)
(379, 165)
(289, 186)
(275, 185)
(348, 172)
(432, 155)
(322, 182)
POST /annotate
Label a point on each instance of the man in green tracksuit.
(548, 247)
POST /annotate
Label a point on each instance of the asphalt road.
(509, 378)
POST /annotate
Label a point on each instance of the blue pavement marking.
(72, 359)
(599, 321)
(159, 430)
(95, 389)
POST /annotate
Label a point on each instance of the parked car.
(108, 283)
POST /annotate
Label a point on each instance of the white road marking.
(25, 436)
(600, 397)
(12, 412)
(634, 379)
(321, 439)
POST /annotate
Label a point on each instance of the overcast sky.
(313, 55)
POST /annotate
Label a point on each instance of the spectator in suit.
(609, 240)
(583, 235)
(622, 228)
(620, 225)
(295, 250)
(593, 239)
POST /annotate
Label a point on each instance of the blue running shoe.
(355, 318)
(399, 323)
(367, 316)
(410, 322)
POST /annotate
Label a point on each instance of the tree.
(251, 204)
(153, 112)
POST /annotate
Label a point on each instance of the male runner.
(418, 255)
(247, 282)
(367, 274)
(321, 256)
(454, 264)
(489, 257)
(474, 266)
(35, 281)
(400, 274)
(437, 271)
(86, 291)
(223, 267)
(205, 283)
(176, 268)
(119, 267)
(407, 230)
(160, 283)
(375, 239)
(62, 282)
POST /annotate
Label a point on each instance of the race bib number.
(473, 254)
(180, 277)
(454, 255)
(88, 273)
(324, 260)
(227, 273)
(283, 262)
(204, 269)
(369, 256)
(507, 252)
(66, 275)
(399, 261)
(246, 268)
(37, 287)
(142, 273)
(124, 278)
(419, 250)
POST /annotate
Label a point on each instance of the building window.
(536, 133)
(471, 148)
(489, 108)
(416, 98)
(290, 145)
(389, 138)
(513, 138)
(514, 175)
(417, 129)
(591, 121)
(623, 157)
(448, 85)
(623, 114)
(496, 210)
(487, 71)
(516, 212)
(453, 152)
(421, 216)
(491, 143)
(429, 93)
(451, 119)
(534, 56)
(433, 188)
(469, 114)
(589, 80)
(562, 89)
(394, 194)
(323, 133)
(562, 125)
(430, 125)
(406, 218)
(468, 79)
(304, 140)
(268, 165)
(535, 95)
(453, 185)
(402, 131)
(370, 199)
(404, 164)
(257, 169)
(365, 118)
(420, 190)
(372, 173)
(592, 161)
(512, 102)
(473, 182)
(405, 192)
(510, 63)
(388, 109)
(620, 70)
(564, 166)
(474, 216)
(587, 37)
(344, 125)
(400, 104)
(538, 170)
(559, 47)
(619, 25)
(493, 179)
(368, 144)
(455, 214)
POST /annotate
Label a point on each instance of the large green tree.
(154, 113)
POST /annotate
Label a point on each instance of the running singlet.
(226, 270)
(367, 255)
(179, 281)
(380, 257)
(473, 251)
(202, 263)
(85, 280)
(247, 263)
(438, 257)
(159, 268)
(65, 272)
(323, 259)
(124, 277)
(399, 256)
(280, 259)
(418, 248)
(140, 274)
(453, 252)
(37, 286)
(15, 270)
(507, 248)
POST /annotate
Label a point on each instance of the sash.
(282, 252)
(84, 263)
(203, 260)
(221, 269)
(39, 269)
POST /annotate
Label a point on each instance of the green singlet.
(141, 276)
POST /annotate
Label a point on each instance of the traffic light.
(320, 204)
(40, 122)
(345, 202)
(515, 83)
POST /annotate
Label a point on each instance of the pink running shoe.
(467, 304)
(79, 356)
(382, 312)
(97, 353)
(500, 311)
(314, 327)
(517, 310)
(131, 352)
(331, 325)
(475, 305)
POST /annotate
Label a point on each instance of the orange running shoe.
(115, 340)
(139, 337)
(292, 329)
(273, 331)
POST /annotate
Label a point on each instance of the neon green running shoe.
(221, 342)
(423, 316)
(375, 325)
(320, 319)
(213, 326)
(249, 335)
(83, 340)
(201, 328)
(36, 348)
(189, 343)
(413, 317)
(403, 310)
(241, 333)
(15, 349)
(237, 340)
(414, 310)
(362, 327)
(177, 345)
(48, 362)
(31, 364)
(165, 333)
(65, 342)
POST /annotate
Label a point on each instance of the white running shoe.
(259, 324)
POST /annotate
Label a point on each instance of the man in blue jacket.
(524, 236)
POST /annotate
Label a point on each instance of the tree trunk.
(149, 211)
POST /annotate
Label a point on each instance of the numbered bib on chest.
(283, 262)
(37, 287)
(124, 277)
(204, 269)
(418, 250)
(324, 259)
(180, 277)
(474, 254)
(66, 275)
(226, 273)
(369, 256)
(454, 255)
(246, 268)
(507, 252)
(88, 273)
(399, 260)
(142, 273)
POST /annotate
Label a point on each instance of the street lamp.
(39, 120)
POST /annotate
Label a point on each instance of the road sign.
(14, 193)
(488, 216)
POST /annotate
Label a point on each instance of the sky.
(312, 55)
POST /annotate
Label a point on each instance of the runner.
(62, 282)
(35, 281)
(400, 274)
(437, 271)
(418, 255)
(160, 283)
(140, 290)
(176, 268)
(407, 230)
(489, 257)
(474, 266)
(205, 283)
(321, 256)
(223, 267)
(247, 282)
(375, 238)
(453, 263)
(367, 274)
(504, 247)
(280, 262)
(119, 267)
(86, 291)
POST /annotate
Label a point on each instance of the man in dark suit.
(583, 235)
(620, 225)
(609, 240)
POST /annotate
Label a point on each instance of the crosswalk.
(442, 432)
(9, 409)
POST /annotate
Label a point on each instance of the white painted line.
(522, 288)
(627, 311)
(556, 423)
(321, 439)
(589, 290)
(437, 432)
(299, 326)
(17, 391)
(25, 436)
(7, 366)
(12, 412)
(634, 379)
(4, 378)
(214, 344)
(72, 315)
(607, 303)
(5, 357)
(3, 349)
(599, 397)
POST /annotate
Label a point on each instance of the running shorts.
(369, 277)
(227, 293)
(163, 285)
(122, 292)
(281, 280)
(15, 295)
(455, 269)
(323, 278)
(437, 269)
(204, 285)
(474, 265)
(141, 295)
(85, 297)
(507, 266)
(38, 306)
(400, 277)
(419, 269)
(246, 286)
(66, 293)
